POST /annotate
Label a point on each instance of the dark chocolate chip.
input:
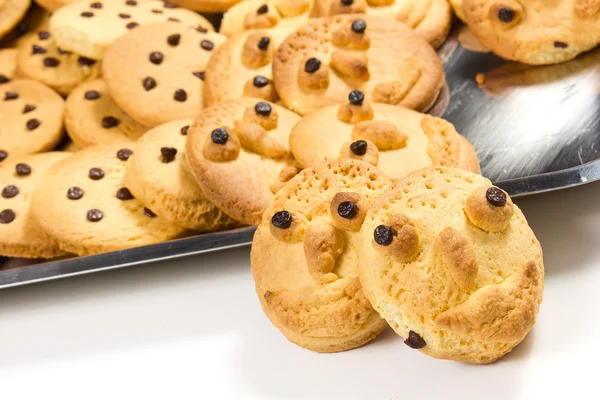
(263, 9)
(185, 130)
(312, 65)
(148, 213)
(35, 49)
(263, 108)
(92, 95)
(86, 62)
(347, 209)
(560, 45)
(124, 194)
(219, 136)
(415, 341)
(7, 216)
(207, 45)
(33, 124)
(75, 193)
(132, 25)
(28, 108)
(495, 197)
(109, 122)
(3, 155)
(282, 219)
(359, 26)
(131, 3)
(347, 2)
(356, 97)
(174, 39)
(124, 16)
(155, 11)
(44, 35)
(149, 83)
(260, 81)
(263, 43)
(10, 191)
(168, 154)
(11, 96)
(169, 5)
(201, 29)
(359, 147)
(174, 19)
(63, 52)
(96, 174)
(156, 57)
(4, 79)
(95, 215)
(200, 74)
(51, 62)
(506, 15)
(180, 95)
(96, 5)
(87, 14)
(124, 154)
(383, 235)
(22, 169)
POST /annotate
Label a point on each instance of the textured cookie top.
(88, 27)
(154, 73)
(394, 139)
(8, 64)
(19, 237)
(321, 62)
(82, 202)
(211, 6)
(238, 151)
(535, 32)
(450, 262)
(31, 118)
(305, 253)
(11, 12)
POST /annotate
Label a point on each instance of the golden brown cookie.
(8, 64)
(209, 6)
(305, 256)
(320, 63)
(451, 264)
(239, 153)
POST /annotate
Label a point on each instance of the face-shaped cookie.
(238, 151)
(208, 6)
(450, 262)
(394, 139)
(305, 256)
(321, 62)
(88, 27)
(533, 31)
(11, 12)
(19, 236)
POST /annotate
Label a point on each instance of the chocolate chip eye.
(4, 79)
(282, 220)
(95, 215)
(359, 26)
(92, 95)
(263, 43)
(168, 154)
(3, 155)
(263, 9)
(174, 39)
(96, 5)
(180, 95)
(359, 147)
(356, 97)
(51, 62)
(263, 108)
(44, 35)
(96, 174)
(347, 209)
(124, 194)
(35, 49)
(149, 213)
(184, 130)
(219, 136)
(506, 15)
(124, 154)
(109, 122)
(495, 197)
(10, 191)
(383, 235)
(87, 14)
(260, 81)
(415, 341)
(33, 124)
(312, 65)
(149, 83)
(207, 45)
(7, 216)
(201, 75)
(28, 108)
(11, 96)
(560, 45)
(23, 169)
(85, 62)
(75, 193)
(347, 2)
(156, 57)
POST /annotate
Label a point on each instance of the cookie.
(158, 176)
(239, 153)
(155, 72)
(210, 6)
(11, 12)
(19, 236)
(431, 19)
(241, 67)
(83, 204)
(305, 257)
(8, 65)
(394, 139)
(265, 14)
(40, 59)
(89, 28)
(451, 264)
(457, 6)
(535, 32)
(321, 62)
(31, 118)
(92, 117)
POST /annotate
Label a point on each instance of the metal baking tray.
(535, 129)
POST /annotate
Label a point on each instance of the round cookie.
(450, 262)
(457, 6)
(158, 176)
(238, 151)
(394, 139)
(88, 28)
(19, 236)
(265, 14)
(11, 12)
(305, 257)
(535, 32)
(40, 59)
(83, 204)
(31, 118)
(8, 64)
(155, 72)
(431, 19)
(321, 62)
(92, 117)
(209, 6)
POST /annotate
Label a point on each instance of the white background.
(193, 329)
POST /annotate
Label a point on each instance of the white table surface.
(193, 329)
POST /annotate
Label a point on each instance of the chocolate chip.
(10, 191)
(415, 341)
(207, 45)
(148, 213)
(263, 108)
(28, 108)
(95, 215)
(109, 122)
(96, 5)
(174, 19)
(347, 209)
(174, 39)
(180, 95)
(132, 25)
(7, 216)
(185, 130)
(87, 14)
(263, 9)
(131, 3)
(219, 136)
(85, 62)
(92, 95)
(51, 62)
(200, 74)
(124, 194)
(156, 57)
(149, 83)
(312, 65)
(35, 49)
(383, 235)
(62, 52)
(282, 220)
(347, 2)
(155, 11)
(169, 5)
(10, 96)
(44, 35)
(260, 81)
(96, 174)
(3, 155)
(75, 193)
(263, 43)
(4, 79)
(124, 16)
(124, 154)
(168, 154)
(33, 124)
(201, 29)
(359, 26)
(495, 197)
(356, 97)
(560, 45)
(506, 15)
(22, 169)
(359, 147)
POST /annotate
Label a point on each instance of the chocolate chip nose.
(560, 45)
